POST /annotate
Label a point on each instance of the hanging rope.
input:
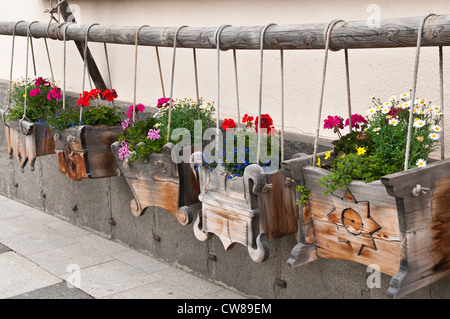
(327, 35)
(194, 53)
(11, 69)
(217, 39)
(135, 70)
(441, 88)
(171, 81)
(160, 72)
(64, 65)
(282, 103)
(85, 66)
(413, 93)
(26, 79)
(258, 155)
(31, 46)
(237, 88)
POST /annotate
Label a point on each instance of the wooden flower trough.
(161, 182)
(250, 210)
(85, 151)
(400, 223)
(27, 140)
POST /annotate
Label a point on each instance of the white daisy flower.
(371, 111)
(436, 128)
(385, 110)
(436, 108)
(376, 129)
(421, 163)
(393, 122)
(404, 96)
(419, 123)
(387, 104)
(406, 104)
(434, 136)
(393, 98)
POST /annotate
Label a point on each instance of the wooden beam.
(391, 33)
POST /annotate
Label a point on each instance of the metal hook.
(418, 189)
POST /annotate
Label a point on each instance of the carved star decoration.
(353, 222)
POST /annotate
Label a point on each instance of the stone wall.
(94, 203)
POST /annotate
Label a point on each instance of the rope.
(441, 88)
(194, 53)
(258, 155)
(135, 69)
(282, 103)
(64, 66)
(160, 72)
(217, 40)
(26, 78)
(349, 102)
(237, 88)
(171, 81)
(85, 66)
(12, 64)
(32, 49)
(327, 35)
(109, 69)
(413, 94)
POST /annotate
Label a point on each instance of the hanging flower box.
(26, 136)
(160, 181)
(85, 151)
(244, 203)
(27, 141)
(83, 136)
(399, 222)
(154, 168)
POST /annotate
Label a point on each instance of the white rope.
(413, 93)
(327, 34)
(258, 154)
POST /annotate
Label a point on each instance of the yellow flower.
(327, 155)
(318, 162)
(361, 150)
(420, 138)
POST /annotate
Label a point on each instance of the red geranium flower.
(109, 95)
(228, 123)
(248, 120)
(266, 123)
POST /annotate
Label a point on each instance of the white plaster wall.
(378, 72)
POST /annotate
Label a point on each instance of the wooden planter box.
(85, 151)
(27, 140)
(249, 210)
(389, 223)
(160, 182)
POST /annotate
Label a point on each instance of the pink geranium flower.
(333, 122)
(124, 150)
(153, 134)
(35, 92)
(139, 108)
(162, 101)
(54, 93)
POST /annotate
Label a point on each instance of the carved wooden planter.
(85, 151)
(249, 210)
(27, 141)
(393, 223)
(160, 182)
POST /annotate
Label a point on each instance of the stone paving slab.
(45, 257)
(19, 275)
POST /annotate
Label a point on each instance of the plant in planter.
(364, 205)
(26, 136)
(245, 198)
(150, 161)
(83, 136)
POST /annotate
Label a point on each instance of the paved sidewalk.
(45, 257)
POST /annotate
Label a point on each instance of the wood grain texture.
(156, 182)
(391, 33)
(26, 141)
(381, 223)
(85, 151)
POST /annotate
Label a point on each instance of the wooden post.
(391, 33)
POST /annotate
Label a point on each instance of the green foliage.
(101, 115)
(367, 168)
(304, 194)
(136, 139)
(350, 143)
(39, 102)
